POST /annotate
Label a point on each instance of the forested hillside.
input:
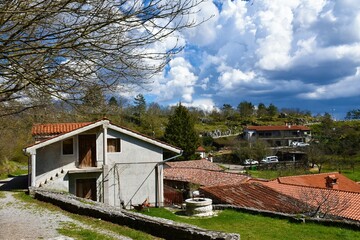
(340, 138)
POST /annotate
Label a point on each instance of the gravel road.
(20, 220)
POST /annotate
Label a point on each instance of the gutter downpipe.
(160, 180)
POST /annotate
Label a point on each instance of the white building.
(100, 161)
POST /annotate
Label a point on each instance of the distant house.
(100, 161)
(277, 136)
(201, 151)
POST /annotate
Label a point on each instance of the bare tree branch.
(61, 47)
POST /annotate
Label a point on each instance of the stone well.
(199, 207)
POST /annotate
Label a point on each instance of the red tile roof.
(278, 128)
(251, 195)
(51, 129)
(203, 177)
(200, 149)
(345, 203)
(198, 164)
(319, 180)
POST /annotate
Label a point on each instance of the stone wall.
(155, 226)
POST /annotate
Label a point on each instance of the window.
(68, 147)
(113, 145)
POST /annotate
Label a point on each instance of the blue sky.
(295, 54)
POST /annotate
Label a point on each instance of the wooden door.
(87, 151)
(86, 188)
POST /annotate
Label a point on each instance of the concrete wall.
(49, 161)
(132, 173)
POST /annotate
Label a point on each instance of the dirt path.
(20, 220)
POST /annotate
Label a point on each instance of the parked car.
(270, 159)
(250, 162)
(299, 144)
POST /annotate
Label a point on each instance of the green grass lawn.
(353, 175)
(272, 174)
(259, 227)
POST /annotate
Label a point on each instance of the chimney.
(332, 182)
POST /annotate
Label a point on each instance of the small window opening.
(113, 145)
(68, 146)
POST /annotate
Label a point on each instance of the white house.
(100, 161)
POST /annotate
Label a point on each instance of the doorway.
(87, 151)
(86, 188)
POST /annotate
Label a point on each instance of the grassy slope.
(262, 228)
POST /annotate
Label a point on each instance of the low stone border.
(155, 226)
(292, 217)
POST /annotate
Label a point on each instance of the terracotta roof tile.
(200, 149)
(51, 129)
(203, 177)
(348, 206)
(197, 164)
(319, 180)
(251, 195)
(278, 128)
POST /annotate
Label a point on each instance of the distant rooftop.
(278, 128)
(197, 164)
(320, 181)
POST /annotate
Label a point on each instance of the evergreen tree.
(261, 110)
(139, 108)
(180, 132)
(246, 109)
(113, 102)
(272, 110)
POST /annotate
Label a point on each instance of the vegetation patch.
(251, 226)
(2, 194)
(76, 232)
(12, 169)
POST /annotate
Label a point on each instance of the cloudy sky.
(295, 54)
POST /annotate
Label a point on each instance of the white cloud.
(347, 87)
(204, 104)
(267, 49)
(205, 33)
(228, 80)
(179, 82)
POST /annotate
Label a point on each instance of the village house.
(201, 151)
(99, 161)
(278, 136)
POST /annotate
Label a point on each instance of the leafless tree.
(60, 47)
(315, 202)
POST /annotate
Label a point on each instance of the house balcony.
(85, 170)
(282, 137)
